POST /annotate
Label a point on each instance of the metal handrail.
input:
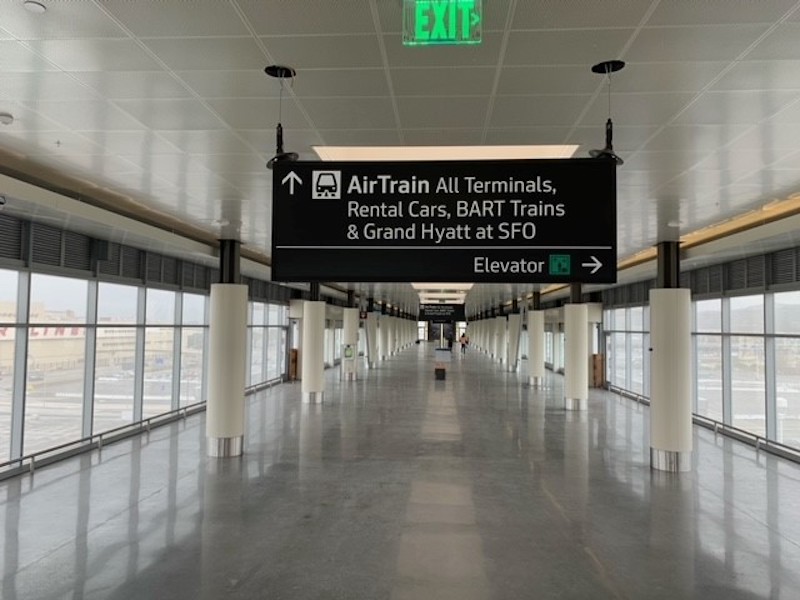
(718, 427)
(29, 462)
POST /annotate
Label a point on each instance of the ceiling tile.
(258, 113)
(487, 53)
(154, 18)
(358, 113)
(695, 137)
(683, 76)
(47, 84)
(512, 111)
(209, 54)
(38, 142)
(17, 58)
(667, 162)
(279, 17)
(442, 111)
(719, 13)
(234, 164)
(171, 113)
(567, 14)
(637, 109)
(770, 136)
(576, 47)
(250, 83)
(340, 82)
(781, 44)
(96, 55)
(132, 84)
(220, 141)
(761, 75)
(709, 43)
(325, 51)
(738, 161)
(547, 80)
(64, 20)
(131, 143)
(86, 115)
(363, 137)
(735, 107)
(441, 81)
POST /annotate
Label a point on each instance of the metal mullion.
(90, 359)
(770, 370)
(727, 378)
(20, 365)
(138, 382)
(177, 356)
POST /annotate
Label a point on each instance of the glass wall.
(100, 355)
(740, 344)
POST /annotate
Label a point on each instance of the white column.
(383, 336)
(670, 380)
(502, 340)
(514, 328)
(557, 347)
(371, 329)
(576, 371)
(312, 378)
(391, 323)
(536, 348)
(350, 337)
(227, 350)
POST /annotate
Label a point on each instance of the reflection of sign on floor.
(327, 185)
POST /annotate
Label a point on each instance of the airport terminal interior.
(402, 299)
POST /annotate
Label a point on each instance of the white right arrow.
(292, 177)
(595, 265)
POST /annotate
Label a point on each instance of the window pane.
(7, 340)
(257, 355)
(787, 312)
(747, 314)
(54, 399)
(192, 339)
(259, 313)
(709, 376)
(116, 303)
(608, 323)
(274, 315)
(57, 299)
(158, 354)
(194, 309)
(787, 390)
(619, 319)
(709, 315)
(747, 385)
(637, 362)
(160, 307)
(637, 318)
(618, 349)
(114, 377)
(8, 296)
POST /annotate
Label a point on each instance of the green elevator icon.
(560, 264)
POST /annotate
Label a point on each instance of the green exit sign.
(438, 22)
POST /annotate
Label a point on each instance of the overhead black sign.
(532, 221)
(442, 313)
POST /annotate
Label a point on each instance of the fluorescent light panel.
(401, 153)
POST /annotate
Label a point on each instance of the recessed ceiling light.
(396, 153)
(34, 7)
(6, 118)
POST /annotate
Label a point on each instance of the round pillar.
(536, 348)
(312, 375)
(576, 364)
(670, 380)
(227, 347)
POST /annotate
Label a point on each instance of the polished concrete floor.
(402, 487)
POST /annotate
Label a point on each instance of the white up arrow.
(595, 265)
(292, 177)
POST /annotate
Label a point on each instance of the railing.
(759, 442)
(30, 462)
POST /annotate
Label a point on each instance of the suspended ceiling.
(161, 110)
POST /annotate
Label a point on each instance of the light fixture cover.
(34, 7)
